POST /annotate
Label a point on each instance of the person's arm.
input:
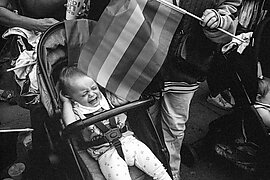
(11, 19)
(223, 17)
(67, 111)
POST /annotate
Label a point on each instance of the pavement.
(207, 166)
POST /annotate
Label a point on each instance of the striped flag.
(128, 45)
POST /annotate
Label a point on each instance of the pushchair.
(240, 136)
(73, 159)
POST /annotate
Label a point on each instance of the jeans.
(174, 115)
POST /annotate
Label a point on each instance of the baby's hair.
(66, 74)
(263, 86)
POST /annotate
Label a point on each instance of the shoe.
(219, 102)
(243, 156)
(227, 96)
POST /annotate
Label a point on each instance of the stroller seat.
(53, 54)
(94, 172)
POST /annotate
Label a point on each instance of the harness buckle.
(112, 134)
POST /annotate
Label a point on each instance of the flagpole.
(183, 11)
(16, 130)
(21, 66)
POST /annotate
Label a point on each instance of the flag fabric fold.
(128, 45)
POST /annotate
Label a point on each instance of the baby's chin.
(94, 103)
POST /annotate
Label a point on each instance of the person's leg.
(112, 166)
(39, 161)
(174, 114)
(138, 154)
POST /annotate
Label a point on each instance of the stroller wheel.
(189, 157)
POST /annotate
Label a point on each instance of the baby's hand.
(63, 98)
(211, 19)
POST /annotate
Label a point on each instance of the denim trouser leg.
(174, 114)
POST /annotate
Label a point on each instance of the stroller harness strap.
(111, 135)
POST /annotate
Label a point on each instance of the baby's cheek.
(99, 94)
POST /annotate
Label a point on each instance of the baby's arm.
(67, 111)
(265, 115)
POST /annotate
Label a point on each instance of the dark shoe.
(219, 101)
(243, 155)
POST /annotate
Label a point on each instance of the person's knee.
(174, 129)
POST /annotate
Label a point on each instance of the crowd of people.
(185, 67)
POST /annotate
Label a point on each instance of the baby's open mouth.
(94, 101)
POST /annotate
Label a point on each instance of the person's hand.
(63, 98)
(45, 23)
(211, 19)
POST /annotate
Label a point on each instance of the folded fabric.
(26, 57)
(25, 67)
(26, 78)
(31, 36)
(241, 45)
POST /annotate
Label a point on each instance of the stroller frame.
(64, 132)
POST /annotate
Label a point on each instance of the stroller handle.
(81, 124)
